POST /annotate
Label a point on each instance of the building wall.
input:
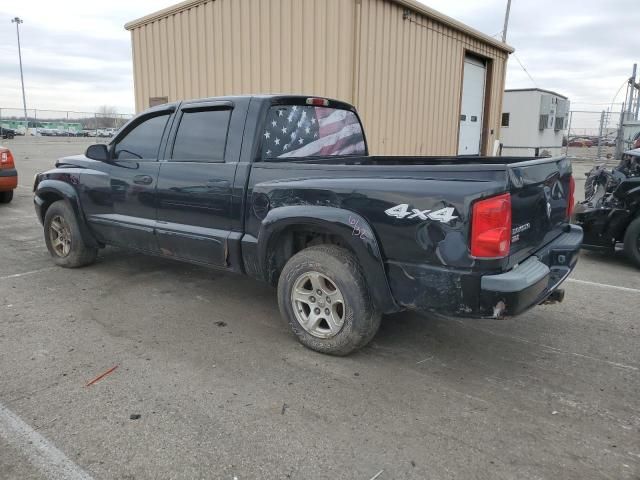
(227, 47)
(410, 79)
(403, 75)
(522, 137)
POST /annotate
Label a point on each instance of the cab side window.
(143, 142)
(202, 136)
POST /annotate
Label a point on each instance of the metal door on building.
(472, 106)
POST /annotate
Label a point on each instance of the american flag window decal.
(298, 131)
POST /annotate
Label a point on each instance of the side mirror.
(98, 152)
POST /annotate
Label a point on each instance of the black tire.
(632, 242)
(6, 197)
(361, 319)
(78, 254)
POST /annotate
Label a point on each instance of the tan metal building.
(402, 64)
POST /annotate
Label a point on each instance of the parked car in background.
(580, 142)
(282, 188)
(106, 132)
(7, 133)
(635, 141)
(8, 175)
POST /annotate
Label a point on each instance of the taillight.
(570, 197)
(6, 159)
(491, 227)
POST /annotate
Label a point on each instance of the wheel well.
(291, 240)
(49, 198)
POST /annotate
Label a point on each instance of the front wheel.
(63, 238)
(632, 242)
(324, 297)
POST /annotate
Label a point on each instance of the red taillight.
(6, 159)
(491, 227)
(570, 197)
(318, 102)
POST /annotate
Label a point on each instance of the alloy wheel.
(60, 236)
(318, 304)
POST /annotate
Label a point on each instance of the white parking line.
(42, 454)
(17, 275)
(603, 285)
(23, 217)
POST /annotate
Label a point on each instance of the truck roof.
(270, 97)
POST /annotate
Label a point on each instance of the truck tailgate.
(541, 191)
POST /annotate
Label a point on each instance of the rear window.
(299, 131)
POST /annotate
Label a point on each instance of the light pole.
(506, 22)
(18, 21)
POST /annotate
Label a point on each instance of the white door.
(472, 106)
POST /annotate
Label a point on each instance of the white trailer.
(534, 122)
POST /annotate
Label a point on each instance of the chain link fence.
(62, 123)
(596, 135)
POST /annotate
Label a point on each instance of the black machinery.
(610, 213)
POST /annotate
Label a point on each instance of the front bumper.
(8, 179)
(471, 294)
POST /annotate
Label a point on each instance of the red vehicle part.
(8, 175)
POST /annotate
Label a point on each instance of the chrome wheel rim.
(60, 236)
(318, 304)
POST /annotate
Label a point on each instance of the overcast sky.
(77, 55)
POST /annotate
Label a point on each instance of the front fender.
(352, 228)
(49, 191)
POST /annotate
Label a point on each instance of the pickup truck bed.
(473, 236)
(427, 263)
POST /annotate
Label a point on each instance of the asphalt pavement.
(211, 384)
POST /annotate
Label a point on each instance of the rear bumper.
(466, 293)
(8, 179)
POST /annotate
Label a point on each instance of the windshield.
(297, 131)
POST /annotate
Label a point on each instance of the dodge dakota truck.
(282, 188)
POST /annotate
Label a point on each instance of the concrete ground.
(223, 390)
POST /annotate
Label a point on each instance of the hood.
(74, 161)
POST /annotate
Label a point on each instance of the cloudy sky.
(77, 55)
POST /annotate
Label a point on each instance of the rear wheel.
(6, 197)
(63, 238)
(632, 242)
(323, 295)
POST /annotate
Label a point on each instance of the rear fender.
(351, 228)
(49, 191)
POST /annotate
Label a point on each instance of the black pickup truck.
(281, 188)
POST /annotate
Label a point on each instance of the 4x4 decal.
(444, 215)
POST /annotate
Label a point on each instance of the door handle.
(143, 179)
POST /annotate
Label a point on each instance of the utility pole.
(632, 86)
(600, 135)
(506, 22)
(619, 136)
(635, 86)
(18, 21)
